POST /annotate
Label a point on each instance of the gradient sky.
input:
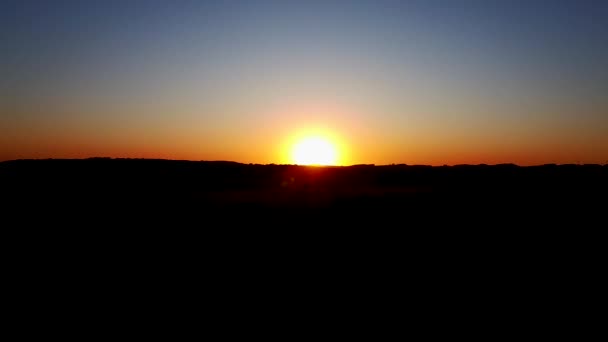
(416, 82)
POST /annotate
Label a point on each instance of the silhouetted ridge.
(502, 193)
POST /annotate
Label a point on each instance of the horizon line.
(303, 165)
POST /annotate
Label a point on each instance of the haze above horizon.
(378, 82)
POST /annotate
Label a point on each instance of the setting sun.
(314, 151)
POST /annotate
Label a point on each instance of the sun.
(314, 150)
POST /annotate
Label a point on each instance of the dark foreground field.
(151, 190)
(123, 230)
(168, 205)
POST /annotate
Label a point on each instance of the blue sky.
(397, 81)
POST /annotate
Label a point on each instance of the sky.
(415, 82)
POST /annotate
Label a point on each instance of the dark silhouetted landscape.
(101, 188)
(446, 231)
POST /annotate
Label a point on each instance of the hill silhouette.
(103, 187)
(104, 218)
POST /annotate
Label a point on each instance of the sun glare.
(314, 151)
